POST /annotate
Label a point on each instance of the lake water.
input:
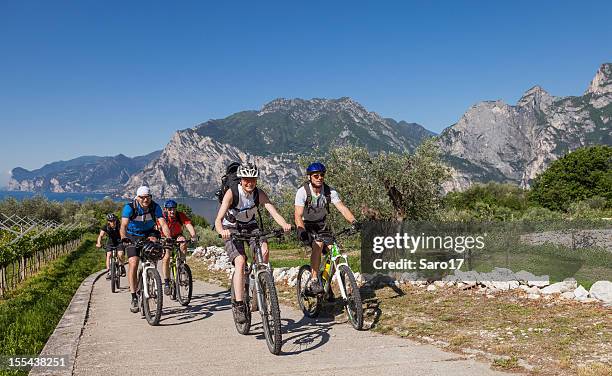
(207, 208)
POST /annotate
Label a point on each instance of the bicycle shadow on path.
(307, 334)
(201, 307)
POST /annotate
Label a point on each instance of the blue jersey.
(142, 222)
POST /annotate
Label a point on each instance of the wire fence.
(27, 244)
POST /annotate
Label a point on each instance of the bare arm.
(346, 212)
(123, 228)
(164, 226)
(191, 230)
(100, 236)
(225, 204)
(263, 199)
(299, 212)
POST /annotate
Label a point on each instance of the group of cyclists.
(143, 218)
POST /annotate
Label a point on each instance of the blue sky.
(108, 77)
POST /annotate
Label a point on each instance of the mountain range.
(492, 141)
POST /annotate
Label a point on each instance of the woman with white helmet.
(238, 211)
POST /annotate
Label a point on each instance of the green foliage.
(30, 314)
(579, 175)
(388, 186)
(208, 237)
(491, 194)
(196, 220)
(30, 243)
(88, 213)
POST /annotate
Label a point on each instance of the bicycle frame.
(334, 255)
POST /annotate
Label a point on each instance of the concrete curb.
(65, 339)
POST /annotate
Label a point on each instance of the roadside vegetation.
(30, 313)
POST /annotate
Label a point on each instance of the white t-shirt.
(245, 211)
(317, 201)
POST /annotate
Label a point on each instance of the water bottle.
(326, 270)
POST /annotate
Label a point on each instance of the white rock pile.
(499, 279)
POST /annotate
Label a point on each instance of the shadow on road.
(200, 307)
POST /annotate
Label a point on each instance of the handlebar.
(246, 236)
(169, 242)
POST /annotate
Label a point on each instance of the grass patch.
(506, 363)
(30, 313)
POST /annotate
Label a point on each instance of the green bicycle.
(336, 268)
(181, 281)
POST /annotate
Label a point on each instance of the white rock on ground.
(581, 293)
(602, 291)
(568, 295)
(560, 287)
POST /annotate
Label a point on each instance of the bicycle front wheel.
(184, 284)
(352, 303)
(270, 312)
(113, 274)
(152, 304)
(117, 275)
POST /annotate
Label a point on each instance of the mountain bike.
(150, 294)
(181, 282)
(335, 268)
(259, 291)
(114, 269)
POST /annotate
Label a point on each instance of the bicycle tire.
(310, 305)
(113, 272)
(173, 293)
(154, 287)
(352, 304)
(245, 327)
(117, 276)
(270, 313)
(184, 280)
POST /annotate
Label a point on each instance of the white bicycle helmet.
(247, 170)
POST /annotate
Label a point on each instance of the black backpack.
(228, 180)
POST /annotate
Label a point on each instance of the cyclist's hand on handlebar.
(225, 234)
(126, 241)
(98, 245)
(194, 239)
(287, 227)
(355, 226)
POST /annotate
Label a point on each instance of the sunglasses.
(145, 197)
(317, 176)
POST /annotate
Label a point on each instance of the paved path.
(202, 340)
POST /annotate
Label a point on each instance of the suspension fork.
(147, 265)
(336, 276)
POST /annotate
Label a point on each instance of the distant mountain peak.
(602, 82)
(305, 110)
(536, 97)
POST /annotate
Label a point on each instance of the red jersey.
(176, 224)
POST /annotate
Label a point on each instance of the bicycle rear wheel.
(113, 273)
(184, 284)
(245, 327)
(352, 303)
(270, 313)
(309, 303)
(153, 303)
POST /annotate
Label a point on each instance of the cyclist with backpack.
(238, 211)
(312, 201)
(111, 229)
(175, 220)
(138, 220)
